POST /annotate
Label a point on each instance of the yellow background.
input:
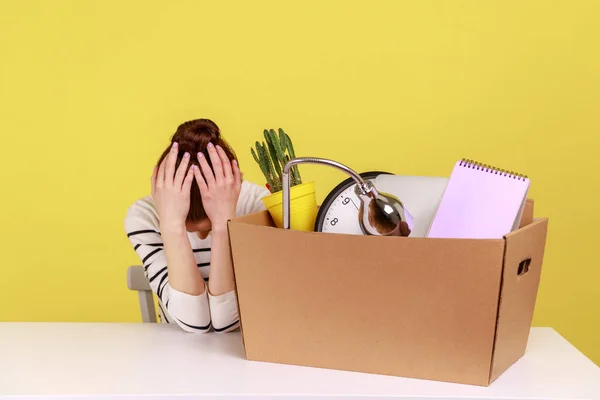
(90, 93)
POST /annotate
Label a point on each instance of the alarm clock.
(419, 195)
(338, 212)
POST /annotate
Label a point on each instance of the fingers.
(160, 175)
(181, 170)
(153, 178)
(226, 163)
(200, 179)
(189, 177)
(171, 161)
(216, 162)
(209, 179)
(237, 175)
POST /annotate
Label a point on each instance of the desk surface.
(127, 361)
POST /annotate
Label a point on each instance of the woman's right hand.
(171, 190)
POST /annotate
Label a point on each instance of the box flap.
(520, 281)
(415, 307)
(527, 216)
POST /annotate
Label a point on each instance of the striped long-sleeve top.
(191, 313)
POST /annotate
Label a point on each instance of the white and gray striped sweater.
(191, 313)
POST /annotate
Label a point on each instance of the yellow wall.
(91, 91)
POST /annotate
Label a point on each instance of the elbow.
(224, 312)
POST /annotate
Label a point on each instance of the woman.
(180, 231)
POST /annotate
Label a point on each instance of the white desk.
(158, 361)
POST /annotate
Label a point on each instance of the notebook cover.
(480, 202)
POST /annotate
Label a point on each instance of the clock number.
(346, 201)
(334, 222)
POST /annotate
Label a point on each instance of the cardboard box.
(454, 310)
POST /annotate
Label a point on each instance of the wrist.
(219, 223)
(219, 226)
(172, 228)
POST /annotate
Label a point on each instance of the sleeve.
(224, 311)
(257, 195)
(251, 198)
(190, 312)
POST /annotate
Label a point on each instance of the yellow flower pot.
(303, 207)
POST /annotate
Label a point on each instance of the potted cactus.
(271, 157)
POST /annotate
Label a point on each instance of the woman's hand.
(219, 190)
(171, 190)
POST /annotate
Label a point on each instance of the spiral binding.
(491, 169)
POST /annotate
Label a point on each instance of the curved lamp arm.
(379, 214)
(309, 160)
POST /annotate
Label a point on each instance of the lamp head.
(382, 214)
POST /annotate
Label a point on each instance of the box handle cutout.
(524, 266)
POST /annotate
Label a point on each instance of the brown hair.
(193, 137)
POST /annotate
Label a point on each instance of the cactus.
(290, 149)
(262, 165)
(273, 151)
(272, 157)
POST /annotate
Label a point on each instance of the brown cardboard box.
(455, 310)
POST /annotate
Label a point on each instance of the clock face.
(339, 211)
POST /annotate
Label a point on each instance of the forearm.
(221, 279)
(184, 275)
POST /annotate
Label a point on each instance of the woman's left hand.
(219, 190)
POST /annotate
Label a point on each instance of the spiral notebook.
(480, 202)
